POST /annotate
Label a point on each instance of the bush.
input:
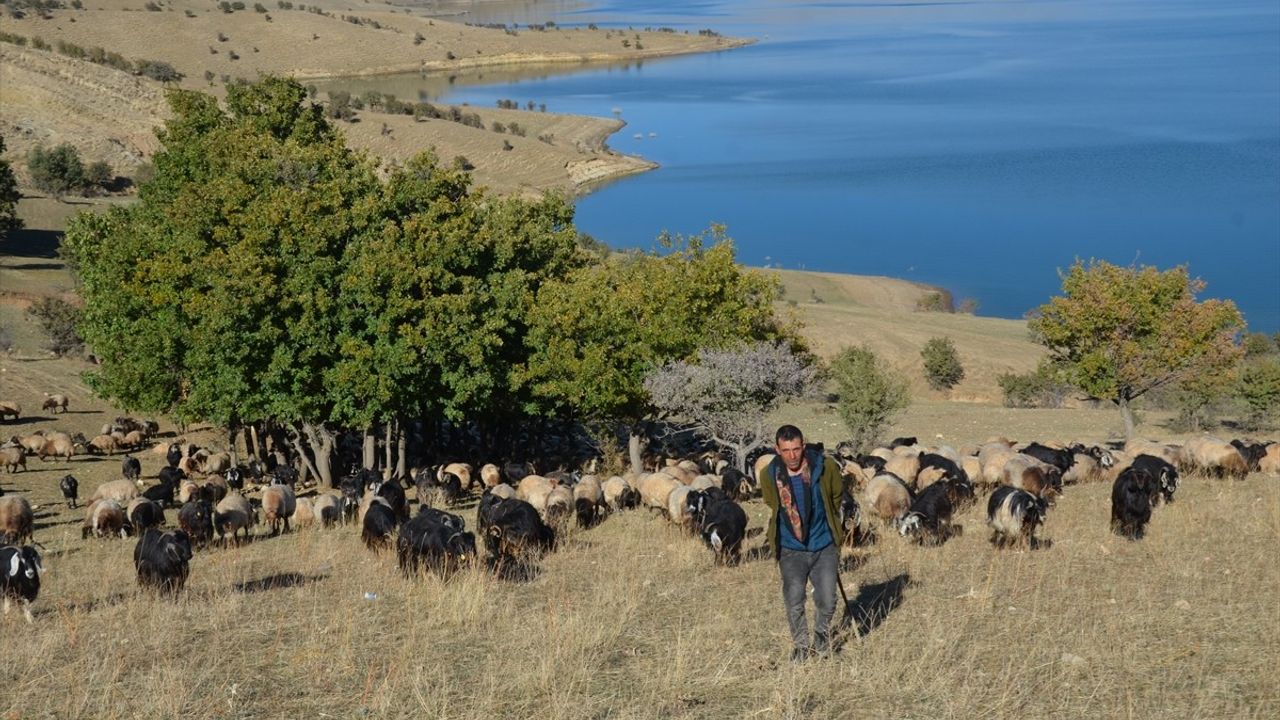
(942, 366)
(9, 197)
(870, 394)
(1041, 387)
(259, 8)
(98, 174)
(158, 70)
(934, 302)
(57, 171)
(152, 7)
(1259, 388)
(58, 318)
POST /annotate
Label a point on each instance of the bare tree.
(726, 395)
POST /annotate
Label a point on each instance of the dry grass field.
(631, 619)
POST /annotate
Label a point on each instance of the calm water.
(977, 145)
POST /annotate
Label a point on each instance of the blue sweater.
(809, 504)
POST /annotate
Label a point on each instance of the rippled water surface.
(977, 145)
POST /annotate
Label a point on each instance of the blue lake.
(980, 146)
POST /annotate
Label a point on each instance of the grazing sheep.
(393, 493)
(678, 509)
(655, 490)
(618, 495)
(20, 571)
(216, 464)
(187, 490)
(535, 490)
(17, 522)
(1164, 474)
(60, 446)
(490, 475)
(1036, 477)
(702, 482)
(905, 467)
(70, 488)
(142, 513)
(516, 533)
(304, 514)
(173, 455)
(12, 458)
(1084, 469)
(462, 470)
(1132, 496)
(54, 403)
(761, 463)
(10, 408)
(441, 547)
(328, 509)
(103, 518)
(720, 521)
(1270, 463)
(1013, 515)
(135, 439)
(122, 491)
(131, 468)
(503, 491)
(588, 499)
(929, 518)
(886, 497)
(1251, 452)
(162, 560)
(278, 504)
(737, 484)
(378, 524)
(1213, 457)
(34, 442)
(559, 505)
(233, 513)
(103, 444)
(195, 517)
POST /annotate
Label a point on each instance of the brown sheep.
(328, 508)
(9, 407)
(216, 464)
(462, 470)
(12, 457)
(532, 484)
(34, 442)
(121, 491)
(558, 507)
(503, 490)
(905, 467)
(105, 444)
(1270, 463)
(233, 513)
(886, 497)
(655, 489)
(57, 447)
(135, 439)
(1038, 478)
(103, 518)
(278, 505)
(54, 402)
(1214, 457)
(17, 522)
(490, 476)
(304, 514)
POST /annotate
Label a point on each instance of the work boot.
(800, 655)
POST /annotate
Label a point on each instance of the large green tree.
(1120, 332)
(9, 196)
(596, 334)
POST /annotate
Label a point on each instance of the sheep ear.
(14, 561)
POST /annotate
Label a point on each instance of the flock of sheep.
(910, 488)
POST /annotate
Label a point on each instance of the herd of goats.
(906, 487)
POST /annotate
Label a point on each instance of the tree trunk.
(232, 432)
(389, 433)
(402, 451)
(634, 441)
(250, 445)
(321, 441)
(1126, 413)
(370, 449)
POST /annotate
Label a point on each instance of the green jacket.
(831, 485)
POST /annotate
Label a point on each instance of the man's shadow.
(870, 607)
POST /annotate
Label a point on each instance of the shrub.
(57, 171)
(934, 302)
(58, 318)
(1042, 387)
(152, 7)
(968, 306)
(98, 174)
(340, 105)
(158, 70)
(942, 366)
(498, 127)
(259, 8)
(1259, 388)
(39, 43)
(870, 394)
(9, 196)
(418, 38)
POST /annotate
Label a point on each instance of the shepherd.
(802, 489)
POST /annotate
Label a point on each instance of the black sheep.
(196, 520)
(1061, 459)
(442, 548)
(20, 572)
(395, 497)
(70, 490)
(929, 518)
(378, 526)
(145, 514)
(721, 522)
(173, 456)
(1164, 475)
(131, 468)
(516, 532)
(161, 559)
(1131, 499)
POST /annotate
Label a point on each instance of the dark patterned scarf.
(782, 479)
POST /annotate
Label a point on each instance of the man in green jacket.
(802, 488)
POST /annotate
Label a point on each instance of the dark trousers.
(799, 568)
